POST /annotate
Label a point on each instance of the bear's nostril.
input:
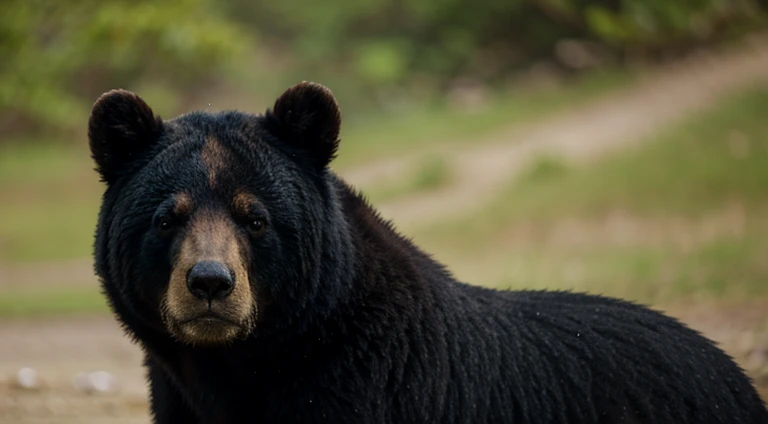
(209, 280)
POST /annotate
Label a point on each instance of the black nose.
(209, 280)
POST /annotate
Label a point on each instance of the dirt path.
(617, 121)
(59, 349)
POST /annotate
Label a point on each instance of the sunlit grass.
(432, 174)
(52, 215)
(67, 300)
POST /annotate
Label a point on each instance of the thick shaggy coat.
(264, 289)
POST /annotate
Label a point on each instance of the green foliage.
(648, 22)
(382, 61)
(57, 55)
(387, 43)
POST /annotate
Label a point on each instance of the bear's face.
(210, 218)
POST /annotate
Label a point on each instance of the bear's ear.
(120, 128)
(307, 117)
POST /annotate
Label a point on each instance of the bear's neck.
(386, 262)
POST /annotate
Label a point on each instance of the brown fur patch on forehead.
(182, 204)
(215, 157)
(211, 236)
(242, 202)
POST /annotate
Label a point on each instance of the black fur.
(120, 128)
(356, 324)
(307, 118)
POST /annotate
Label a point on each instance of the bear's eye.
(257, 226)
(164, 224)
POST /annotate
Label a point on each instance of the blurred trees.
(56, 56)
(385, 41)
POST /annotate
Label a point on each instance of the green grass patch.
(50, 194)
(48, 229)
(28, 303)
(544, 169)
(432, 174)
(727, 267)
(41, 161)
(711, 162)
(53, 214)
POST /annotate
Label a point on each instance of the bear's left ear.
(121, 127)
(307, 117)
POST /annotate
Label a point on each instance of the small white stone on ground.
(27, 378)
(97, 381)
(103, 381)
(81, 382)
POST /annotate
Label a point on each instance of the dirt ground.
(58, 349)
(61, 348)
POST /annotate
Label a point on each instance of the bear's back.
(573, 357)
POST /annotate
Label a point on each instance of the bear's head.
(215, 225)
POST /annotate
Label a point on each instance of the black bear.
(263, 288)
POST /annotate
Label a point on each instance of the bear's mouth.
(209, 317)
(207, 329)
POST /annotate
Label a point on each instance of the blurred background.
(613, 146)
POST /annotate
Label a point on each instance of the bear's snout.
(209, 298)
(210, 280)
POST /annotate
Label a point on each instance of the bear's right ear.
(307, 118)
(120, 128)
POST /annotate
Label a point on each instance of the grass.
(48, 229)
(36, 161)
(727, 267)
(52, 213)
(432, 174)
(71, 300)
(696, 196)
